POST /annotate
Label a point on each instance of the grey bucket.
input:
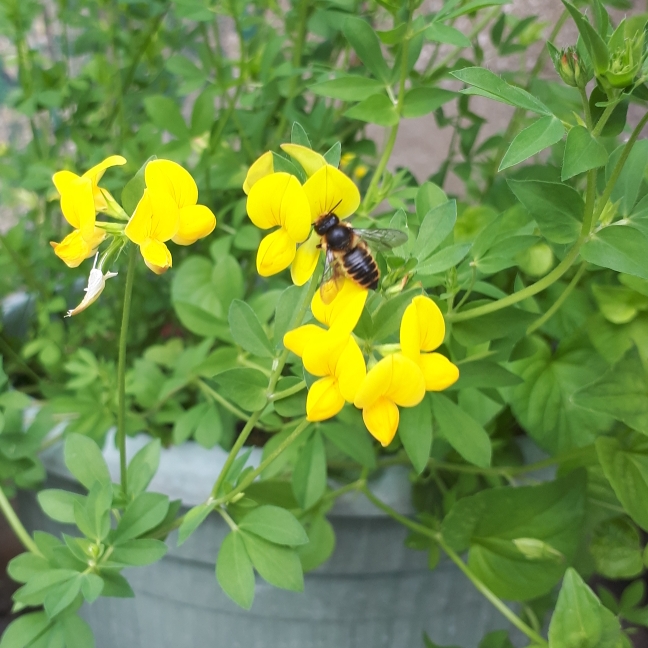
(372, 593)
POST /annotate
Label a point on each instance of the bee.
(348, 254)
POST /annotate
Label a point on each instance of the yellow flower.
(423, 329)
(331, 354)
(167, 211)
(395, 380)
(278, 200)
(81, 198)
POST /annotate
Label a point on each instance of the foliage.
(536, 268)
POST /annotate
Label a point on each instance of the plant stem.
(295, 389)
(437, 537)
(586, 109)
(16, 525)
(603, 120)
(121, 368)
(207, 390)
(559, 302)
(6, 349)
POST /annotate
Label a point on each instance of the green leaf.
(192, 520)
(287, 305)
(275, 524)
(209, 429)
(37, 587)
(144, 513)
(202, 114)
(366, 44)
(622, 393)
(309, 474)
(461, 431)
(321, 543)
(76, 632)
(353, 440)
(348, 88)
(544, 405)
(298, 135)
(84, 460)
(62, 596)
(377, 109)
(505, 323)
(246, 387)
(496, 88)
(24, 630)
(582, 153)
(59, 504)
(247, 330)
(445, 259)
(91, 587)
(627, 187)
(626, 467)
(428, 197)
(143, 466)
(415, 431)
(580, 620)
(594, 44)
(619, 247)
(422, 101)
(534, 138)
(23, 567)
(333, 155)
(435, 227)
(279, 566)
(439, 33)
(166, 115)
(474, 5)
(557, 208)
(115, 585)
(616, 549)
(145, 551)
(134, 189)
(234, 570)
(485, 374)
(507, 528)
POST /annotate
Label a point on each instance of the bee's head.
(325, 223)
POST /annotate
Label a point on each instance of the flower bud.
(571, 68)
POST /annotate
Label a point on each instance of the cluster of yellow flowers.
(277, 199)
(168, 210)
(399, 379)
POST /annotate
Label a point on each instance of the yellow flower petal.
(262, 167)
(167, 179)
(64, 181)
(138, 228)
(330, 190)
(350, 370)
(306, 259)
(196, 222)
(97, 171)
(74, 249)
(324, 399)
(438, 371)
(276, 252)
(279, 199)
(343, 312)
(301, 337)
(396, 378)
(381, 419)
(156, 254)
(422, 327)
(309, 160)
(77, 205)
(321, 358)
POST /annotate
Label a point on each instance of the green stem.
(604, 118)
(559, 302)
(277, 368)
(121, 368)
(586, 109)
(214, 395)
(295, 389)
(16, 525)
(437, 537)
(7, 350)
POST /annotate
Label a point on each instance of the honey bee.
(347, 253)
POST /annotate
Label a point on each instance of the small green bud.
(571, 68)
(626, 55)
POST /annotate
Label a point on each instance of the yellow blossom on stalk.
(394, 381)
(423, 329)
(276, 201)
(81, 199)
(168, 210)
(333, 354)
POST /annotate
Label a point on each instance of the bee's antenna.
(336, 206)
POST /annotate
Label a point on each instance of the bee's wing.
(332, 279)
(382, 240)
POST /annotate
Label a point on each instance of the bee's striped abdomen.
(361, 267)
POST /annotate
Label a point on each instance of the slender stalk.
(16, 525)
(214, 395)
(7, 350)
(295, 389)
(437, 537)
(586, 109)
(559, 302)
(121, 368)
(603, 119)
